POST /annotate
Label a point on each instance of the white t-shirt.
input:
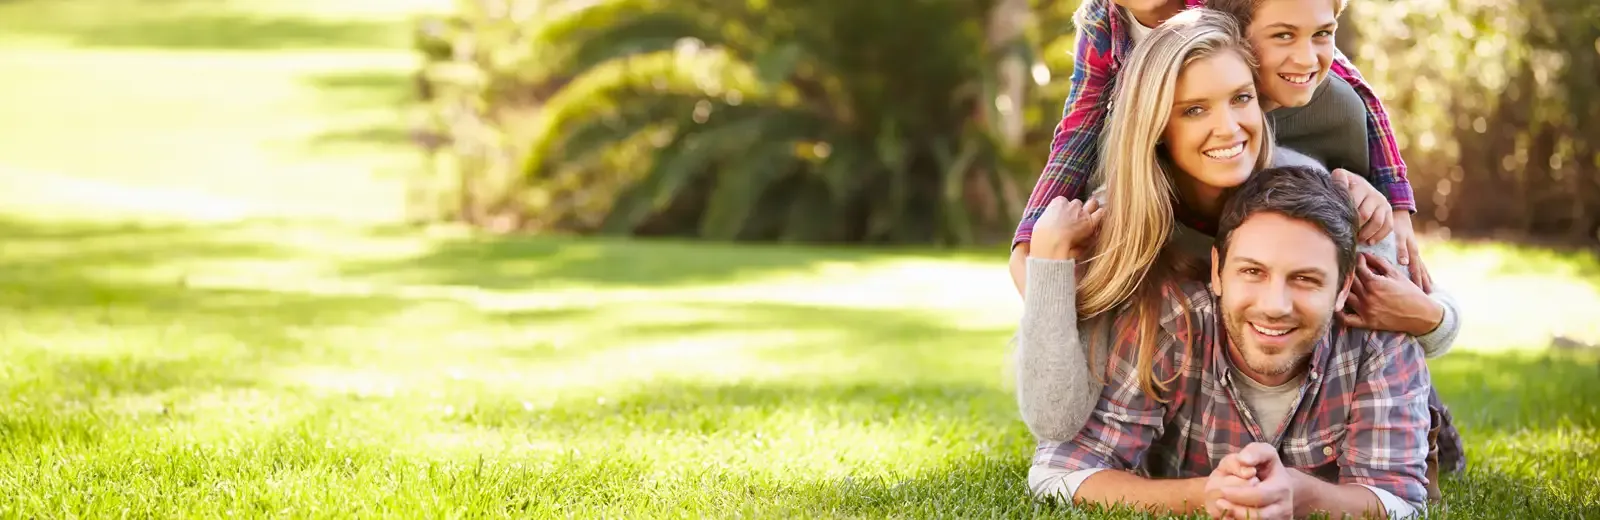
(1139, 30)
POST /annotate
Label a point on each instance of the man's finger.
(1233, 466)
(1258, 455)
(1278, 510)
(1232, 510)
(1252, 497)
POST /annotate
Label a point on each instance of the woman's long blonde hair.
(1127, 266)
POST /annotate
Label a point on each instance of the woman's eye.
(1323, 34)
(1283, 36)
(1243, 98)
(1194, 111)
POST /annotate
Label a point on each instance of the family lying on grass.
(1235, 320)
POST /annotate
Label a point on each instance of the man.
(1289, 412)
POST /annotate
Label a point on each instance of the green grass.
(275, 107)
(163, 355)
(279, 369)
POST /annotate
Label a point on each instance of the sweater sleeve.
(1055, 390)
(1442, 338)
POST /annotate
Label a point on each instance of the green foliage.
(791, 120)
(1497, 106)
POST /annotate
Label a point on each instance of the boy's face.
(1293, 41)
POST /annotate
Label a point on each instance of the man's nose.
(1275, 301)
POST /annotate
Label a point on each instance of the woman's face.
(1293, 41)
(1214, 131)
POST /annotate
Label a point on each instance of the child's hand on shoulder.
(1409, 252)
(1375, 215)
(1065, 228)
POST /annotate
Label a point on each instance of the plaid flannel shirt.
(1103, 42)
(1361, 416)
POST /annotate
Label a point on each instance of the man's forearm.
(1113, 487)
(1313, 495)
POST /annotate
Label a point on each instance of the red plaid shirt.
(1361, 416)
(1103, 42)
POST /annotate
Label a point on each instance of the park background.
(663, 257)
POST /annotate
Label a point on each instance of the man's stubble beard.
(1301, 350)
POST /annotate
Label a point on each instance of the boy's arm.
(1075, 147)
(1388, 169)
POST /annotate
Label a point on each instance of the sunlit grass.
(174, 368)
(250, 107)
(259, 368)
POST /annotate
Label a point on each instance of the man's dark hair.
(1300, 193)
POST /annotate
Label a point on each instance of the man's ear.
(1344, 292)
(1216, 276)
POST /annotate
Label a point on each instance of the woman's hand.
(1376, 215)
(1383, 299)
(1065, 229)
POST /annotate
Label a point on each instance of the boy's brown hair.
(1245, 10)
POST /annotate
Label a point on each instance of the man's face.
(1279, 287)
(1293, 40)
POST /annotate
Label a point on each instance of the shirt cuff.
(1438, 341)
(1400, 195)
(1046, 481)
(1398, 508)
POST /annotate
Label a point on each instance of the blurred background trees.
(927, 121)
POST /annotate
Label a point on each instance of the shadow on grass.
(237, 31)
(539, 262)
(95, 323)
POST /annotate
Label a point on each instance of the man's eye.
(1250, 271)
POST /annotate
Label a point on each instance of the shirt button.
(1327, 450)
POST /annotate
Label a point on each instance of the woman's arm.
(1385, 298)
(1055, 391)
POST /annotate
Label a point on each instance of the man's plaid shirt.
(1361, 418)
(1103, 43)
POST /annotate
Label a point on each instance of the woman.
(1161, 161)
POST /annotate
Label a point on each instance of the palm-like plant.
(813, 120)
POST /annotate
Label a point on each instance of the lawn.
(165, 357)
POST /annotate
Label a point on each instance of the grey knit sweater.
(1332, 128)
(1055, 390)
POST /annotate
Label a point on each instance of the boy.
(1107, 33)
